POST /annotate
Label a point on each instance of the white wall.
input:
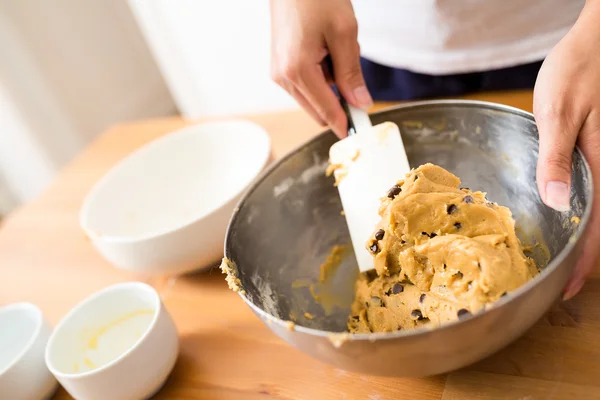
(68, 70)
(26, 170)
(213, 54)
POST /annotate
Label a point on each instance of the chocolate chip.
(422, 298)
(394, 191)
(374, 248)
(468, 199)
(462, 312)
(397, 288)
(379, 234)
(458, 225)
(459, 275)
(425, 234)
(416, 315)
(402, 242)
(371, 275)
(376, 301)
(451, 209)
(433, 234)
(503, 294)
(399, 328)
(444, 267)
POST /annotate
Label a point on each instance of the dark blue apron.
(392, 84)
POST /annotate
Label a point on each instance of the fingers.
(589, 143)
(345, 55)
(558, 134)
(300, 99)
(563, 112)
(313, 85)
(306, 82)
(578, 279)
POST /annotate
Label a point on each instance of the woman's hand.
(567, 112)
(303, 32)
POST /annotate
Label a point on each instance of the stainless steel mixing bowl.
(288, 221)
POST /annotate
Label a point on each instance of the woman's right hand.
(303, 33)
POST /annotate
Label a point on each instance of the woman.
(423, 48)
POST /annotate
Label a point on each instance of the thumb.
(345, 57)
(557, 141)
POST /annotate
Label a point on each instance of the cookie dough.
(440, 252)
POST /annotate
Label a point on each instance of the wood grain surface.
(226, 352)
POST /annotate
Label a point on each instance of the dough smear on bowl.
(440, 252)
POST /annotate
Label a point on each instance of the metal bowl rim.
(553, 265)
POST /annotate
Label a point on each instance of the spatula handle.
(357, 119)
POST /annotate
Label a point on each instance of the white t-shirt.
(455, 36)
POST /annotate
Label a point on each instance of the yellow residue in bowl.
(93, 342)
(88, 363)
(93, 357)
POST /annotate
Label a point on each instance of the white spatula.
(369, 163)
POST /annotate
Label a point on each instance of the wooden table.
(45, 259)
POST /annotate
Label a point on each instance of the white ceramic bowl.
(165, 208)
(119, 344)
(23, 337)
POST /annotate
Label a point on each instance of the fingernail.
(558, 195)
(363, 98)
(573, 289)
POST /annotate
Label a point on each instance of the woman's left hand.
(567, 112)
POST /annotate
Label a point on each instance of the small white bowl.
(23, 337)
(164, 209)
(119, 344)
